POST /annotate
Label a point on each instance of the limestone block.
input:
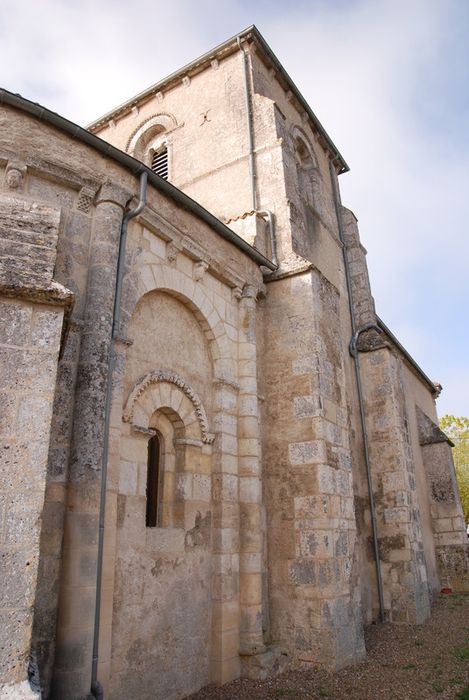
(226, 423)
(18, 691)
(184, 486)
(224, 670)
(248, 405)
(306, 507)
(249, 447)
(302, 572)
(225, 539)
(227, 444)
(315, 543)
(202, 487)
(252, 227)
(250, 562)
(225, 615)
(268, 664)
(450, 538)
(168, 540)
(396, 515)
(250, 489)
(311, 452)
(326, 479)
(128, 478)
(250, 588)
(307, 406)
(29, 231)
(15, 323)
(226, 514)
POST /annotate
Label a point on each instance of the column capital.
(110, 192)
(249, 292)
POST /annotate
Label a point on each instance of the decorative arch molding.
(170, 377)
(142, 136)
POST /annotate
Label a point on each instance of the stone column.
(75, 624)
(225, 594)
(250, 488)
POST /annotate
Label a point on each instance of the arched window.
(151, 143)
(154, 481)
(159, 162)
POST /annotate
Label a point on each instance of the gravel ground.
(403, 663)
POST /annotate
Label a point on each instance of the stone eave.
(408, 357)
(218, 53)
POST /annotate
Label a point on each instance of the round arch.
(155, 277)
(166, 389)
(304, 151)
(150, 134)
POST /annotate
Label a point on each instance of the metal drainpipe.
(247, 96)
(356, 332)
(96, 687)
(273, 242)
(252, 164)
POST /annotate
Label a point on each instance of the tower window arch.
(151, 143)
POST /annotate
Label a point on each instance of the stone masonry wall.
(92, 193)
(402, 555)
(32, 307)
(162, 587)
(182, 322)
(451, 546)
(29, 341)
(315, 603)
(193, 115)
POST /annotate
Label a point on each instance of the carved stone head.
(14, 177)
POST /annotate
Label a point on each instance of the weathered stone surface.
(29, 232)
(246, 519)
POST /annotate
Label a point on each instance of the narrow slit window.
(159, 163)
(154, 473)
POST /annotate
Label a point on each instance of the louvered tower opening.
(159, 163)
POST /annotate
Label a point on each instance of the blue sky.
(389, 81)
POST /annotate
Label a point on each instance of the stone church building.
(216, 459)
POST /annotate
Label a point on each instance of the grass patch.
(409, 666)
(464, 694)
(323, 692)
(418, 643)
(462, 653)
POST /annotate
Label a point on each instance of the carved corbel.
(200, 269)
(14, 175)
(261, 292)
(172, 251)
(249, 291)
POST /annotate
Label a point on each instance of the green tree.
(457, 429)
